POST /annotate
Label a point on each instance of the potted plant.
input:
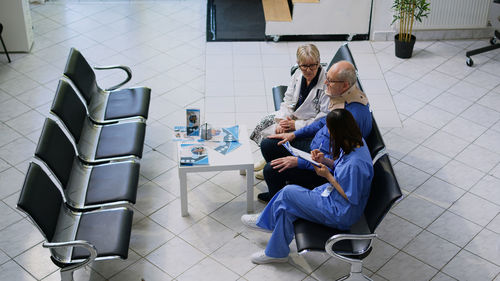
(407, 12)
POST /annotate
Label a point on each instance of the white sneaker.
(259, 175)
(250, 221)
(261, 258)
(259, 165)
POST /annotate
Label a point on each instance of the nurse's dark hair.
(344, 131)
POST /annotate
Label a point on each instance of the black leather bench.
(77, 192)
(354, 245)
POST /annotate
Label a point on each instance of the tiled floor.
(446, 154)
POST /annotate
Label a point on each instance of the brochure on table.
(193, 154)
(224, 141)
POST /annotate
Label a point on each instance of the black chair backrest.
(384, 192)
(344, 53)
(69, 108)
(56, 150)
(41, 200)
(81, 73)
(1, 28)
(374, 140)
(278, 95)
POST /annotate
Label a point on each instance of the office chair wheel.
(493, 41)
(469, 62)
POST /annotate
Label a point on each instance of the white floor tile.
(459, 174)
(418, 210)
(404, 266)
(175, 257)
(432, 249)
(475, 209)
(466, 266)
(439, 192)
(454, 228)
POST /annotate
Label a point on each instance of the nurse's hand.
(284, 137)
(317, 156)
(284, 163)
(322, 171)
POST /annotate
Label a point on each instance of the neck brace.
(353, 94)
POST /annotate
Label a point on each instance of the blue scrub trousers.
(289, 204)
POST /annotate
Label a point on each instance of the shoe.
(259, 165)
(261, 258)
(265, 197)
(259, 175)
(250, 221)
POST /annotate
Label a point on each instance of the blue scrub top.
(361, 114)
(354, 173)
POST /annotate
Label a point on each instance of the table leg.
(250, 203)
(183, 187)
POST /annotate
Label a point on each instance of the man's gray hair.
(347, 74)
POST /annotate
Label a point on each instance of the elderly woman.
(304, 102)
(339, 203)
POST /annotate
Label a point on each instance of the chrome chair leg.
(67, 275)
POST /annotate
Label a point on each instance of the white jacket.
(314, 106)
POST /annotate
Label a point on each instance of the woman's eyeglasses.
(309, 66)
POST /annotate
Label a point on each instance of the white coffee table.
(238, 159)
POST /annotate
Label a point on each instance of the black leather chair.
(74, 239)
(85, 187)
(96, 143)
(3, 43)
(107, 105)
(278, 96)
(375, 142)
(354, 245)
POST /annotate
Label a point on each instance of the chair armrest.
(122, 67)
(77, 243)
(339, 237)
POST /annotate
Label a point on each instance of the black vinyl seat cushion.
(112, 183)
(128, 103)
(121, 140)
(312, 236)
(108, 231)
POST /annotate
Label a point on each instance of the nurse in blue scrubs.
(338, 203)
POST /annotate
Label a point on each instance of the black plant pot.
(404, 49)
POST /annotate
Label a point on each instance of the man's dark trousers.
(275, 180)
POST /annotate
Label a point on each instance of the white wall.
(381, 20)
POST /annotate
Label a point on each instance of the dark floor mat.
(235, 20)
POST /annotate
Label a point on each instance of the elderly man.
(281, 167)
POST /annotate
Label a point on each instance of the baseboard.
(448, 34)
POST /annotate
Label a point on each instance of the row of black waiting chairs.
(356, 244)
(92, 152)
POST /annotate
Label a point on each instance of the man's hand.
(283, 136)
(288, 124)
(322, 171)
(284, 163)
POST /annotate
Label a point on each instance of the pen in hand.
(319, 148)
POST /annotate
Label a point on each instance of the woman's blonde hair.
(307, 51)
